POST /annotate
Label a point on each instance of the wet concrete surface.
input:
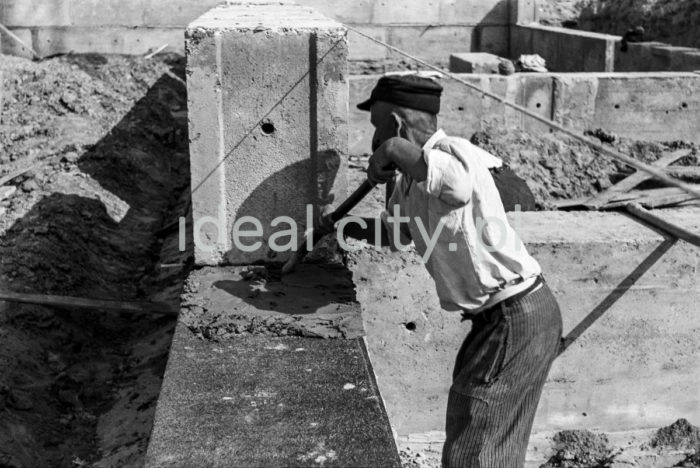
(270, 401)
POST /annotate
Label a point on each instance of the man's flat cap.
(412, 91)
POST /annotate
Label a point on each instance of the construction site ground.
(104, 141)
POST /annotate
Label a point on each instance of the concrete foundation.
(628, 297)
(268, 102)
(569, 50)
(426, 27)
(642, 106)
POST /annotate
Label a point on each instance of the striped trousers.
(498, 379)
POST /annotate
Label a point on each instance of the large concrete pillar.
(268, 110)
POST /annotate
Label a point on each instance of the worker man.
(446, 202)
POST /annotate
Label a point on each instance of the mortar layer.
(313, 301)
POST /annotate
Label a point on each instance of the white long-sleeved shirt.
(477, 253)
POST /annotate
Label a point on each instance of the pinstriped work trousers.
(497, 382)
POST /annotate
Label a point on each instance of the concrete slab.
(269, 139)
(269, 402)
(474, 62)
(628, 297)
(316, 300)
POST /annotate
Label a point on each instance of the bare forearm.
(408, 157)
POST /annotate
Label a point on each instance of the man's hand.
(323, 222)
(396, 152)
(381, 168)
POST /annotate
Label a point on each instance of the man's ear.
(399, 125)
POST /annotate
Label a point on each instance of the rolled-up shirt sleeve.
(448, 179)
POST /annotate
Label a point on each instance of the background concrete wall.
(433, 28)
(269, 138)
(569, 50)
(628, 295)
(644, 106)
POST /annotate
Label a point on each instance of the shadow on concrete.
(616, 294)
(310, 289)
(311, 73)
(484, 40)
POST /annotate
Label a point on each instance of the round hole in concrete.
(411, 326)
(684, 105)
(538, 105)
(268, 128)
(617, 106)
(460, 108)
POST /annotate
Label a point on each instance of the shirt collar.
(437, 136)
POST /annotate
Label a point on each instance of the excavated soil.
(555, 167)
(580, 449)
(670, 21)
(104, 140)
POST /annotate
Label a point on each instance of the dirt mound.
(580, 449)
(558, 167)
(679, 435)
(671, 21)
(106, 141)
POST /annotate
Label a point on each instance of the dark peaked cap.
(412, 91)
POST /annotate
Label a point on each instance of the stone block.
(474, 62)
(268, 96)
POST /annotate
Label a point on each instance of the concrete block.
(35, 13)
(661, 106)
(567, 50)
(269, 402)
(361, 48)
(268, 97)
(634, 367)
(11, 47)
(474, 62)
(574, 100)
(484, 12)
